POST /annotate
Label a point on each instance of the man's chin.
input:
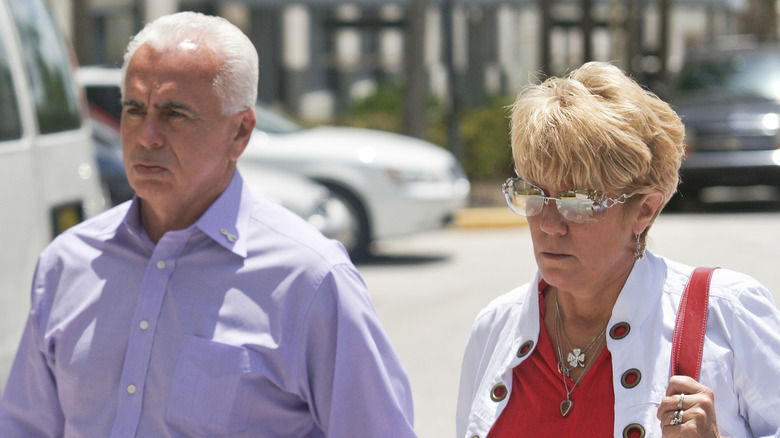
(150, 189)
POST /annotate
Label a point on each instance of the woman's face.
(574, 256)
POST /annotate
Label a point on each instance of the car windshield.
(753, 74)
(271, 122)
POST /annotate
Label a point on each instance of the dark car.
(729, 100)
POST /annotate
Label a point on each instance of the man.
(195, 309)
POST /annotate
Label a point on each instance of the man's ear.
(647, 211)
(244, 126)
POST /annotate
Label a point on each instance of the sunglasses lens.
(580, 206)
(523, 198)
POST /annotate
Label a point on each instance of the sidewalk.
(487, 217)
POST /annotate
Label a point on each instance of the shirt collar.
(226, 220)
(132, 223)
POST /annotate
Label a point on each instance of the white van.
(48, 177)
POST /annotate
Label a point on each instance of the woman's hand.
(688, 410)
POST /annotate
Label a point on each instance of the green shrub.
(382, 110)
(485, 141)
(484, 130)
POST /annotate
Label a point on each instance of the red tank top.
(533, 409)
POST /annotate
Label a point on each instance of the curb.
(487, 217)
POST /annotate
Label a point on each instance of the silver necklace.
(565, 371)
(577, 357)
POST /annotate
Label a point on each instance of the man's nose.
(150, 134)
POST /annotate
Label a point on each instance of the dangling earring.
(639, 252)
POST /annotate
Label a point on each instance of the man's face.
(179, 149)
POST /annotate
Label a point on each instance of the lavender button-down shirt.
(247, 324)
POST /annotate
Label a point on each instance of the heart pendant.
(566, 407)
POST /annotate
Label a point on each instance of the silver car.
(391, 184)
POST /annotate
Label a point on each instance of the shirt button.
(131, 389)
(144, 325)
(631, 378)
(499, 392)
(619, 330)
(525, 349)
(160, 264)
(634, 431)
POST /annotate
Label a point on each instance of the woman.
(584, 349)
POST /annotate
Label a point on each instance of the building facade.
(317, 56)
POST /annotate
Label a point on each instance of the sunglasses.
(582, 206)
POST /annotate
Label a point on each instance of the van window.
(10, 122)
(48, 67)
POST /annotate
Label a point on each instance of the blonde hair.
(596, 128)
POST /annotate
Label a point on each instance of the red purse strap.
(691, 324)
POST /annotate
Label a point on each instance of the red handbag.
(691, 324)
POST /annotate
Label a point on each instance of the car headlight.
(770, 123)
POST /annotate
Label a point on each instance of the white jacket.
(741, 362)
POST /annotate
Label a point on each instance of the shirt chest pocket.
(205, 397)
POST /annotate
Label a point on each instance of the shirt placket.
(144, 324)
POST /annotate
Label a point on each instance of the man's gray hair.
(236, 82)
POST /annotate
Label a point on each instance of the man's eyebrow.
(131, 102)
(175, 106)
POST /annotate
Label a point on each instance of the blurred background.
(382, 119)
(442, 70)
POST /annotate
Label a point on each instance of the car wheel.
(357, 238)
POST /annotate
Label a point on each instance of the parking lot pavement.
(427, 290)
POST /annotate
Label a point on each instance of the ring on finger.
(677, 419)
(680, 402)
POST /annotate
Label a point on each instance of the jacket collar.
(641, 293)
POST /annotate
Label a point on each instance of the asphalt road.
(427, 289)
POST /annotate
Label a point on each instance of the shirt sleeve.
(29, 406)
(756, 346)
(352, 377)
